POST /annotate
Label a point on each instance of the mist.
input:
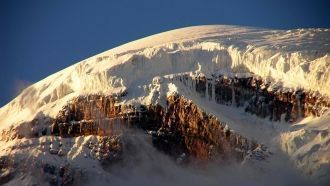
(144, 165)
(19, 86)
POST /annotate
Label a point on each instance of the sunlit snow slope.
(292, 58)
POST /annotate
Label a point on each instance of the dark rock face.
(201, 135)
(179, 128)
(6, 171)
(99, 115)
(258, 98)
(60, 175)
(108, 149)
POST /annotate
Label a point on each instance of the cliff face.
(259, 97)
(101, 115)
(202, 135)
(179, 128)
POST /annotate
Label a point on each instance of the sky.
(39, 38)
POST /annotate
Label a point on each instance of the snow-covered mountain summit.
(197, 92)
(291, 58)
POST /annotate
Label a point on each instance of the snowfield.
(291, 59)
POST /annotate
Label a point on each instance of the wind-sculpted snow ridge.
(218, 62)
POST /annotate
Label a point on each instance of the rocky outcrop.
(107, 149)
(6, 169)
(59, 175)
(179, 128)
(258, 96)
(100, 115)
(32, 129)
(201, 135)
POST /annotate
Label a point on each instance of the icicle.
(298, 97)
(232, 95)
(207, 89)
(193, 82)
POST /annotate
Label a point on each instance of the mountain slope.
(149, 70)
(294, 58)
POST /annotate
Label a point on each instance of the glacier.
(297, 59)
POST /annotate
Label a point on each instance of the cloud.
(20, 85)
(144, 165)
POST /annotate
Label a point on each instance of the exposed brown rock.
(108, 149)
(179, 128)
(203, 135)
(275, 103)
(6, 170)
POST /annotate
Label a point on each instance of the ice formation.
(146, 71)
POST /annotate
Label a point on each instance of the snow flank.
(291, 59)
